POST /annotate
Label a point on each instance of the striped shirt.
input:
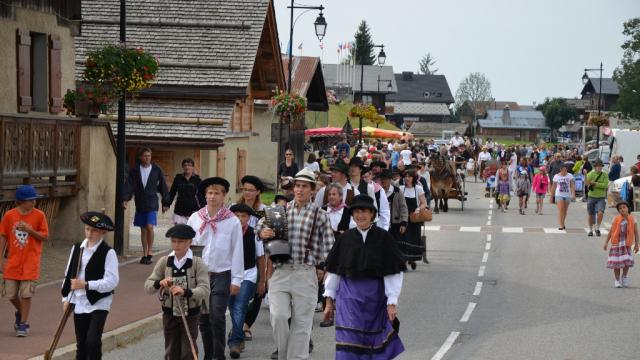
(299, 222)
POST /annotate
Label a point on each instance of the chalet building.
(507, 124)
(69, 160)
(420, 98)
(220, 63)
(608, 97)
(308, 81)
(377, 85)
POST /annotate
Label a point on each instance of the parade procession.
(214, 179)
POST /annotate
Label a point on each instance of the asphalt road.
(499, 286)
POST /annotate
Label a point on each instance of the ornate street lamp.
(321, 25)
(585, 80)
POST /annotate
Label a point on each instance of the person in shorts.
(564, 191)
(144, 183)
(22, 231)
(596, 184)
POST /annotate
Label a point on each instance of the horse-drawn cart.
(447, 182)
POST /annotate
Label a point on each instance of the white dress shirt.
(107, 284)
(223, 250)
(392, 283)
(179, 263)
(384, 213)
(336, 216)
(144, 174)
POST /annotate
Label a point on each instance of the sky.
(528, 49)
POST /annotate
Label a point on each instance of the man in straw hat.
(219, 230)
(295, 283)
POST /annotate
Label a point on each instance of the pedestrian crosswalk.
(511, 230)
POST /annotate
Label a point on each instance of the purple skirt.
(363, 329)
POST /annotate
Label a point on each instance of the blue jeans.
(238, 305)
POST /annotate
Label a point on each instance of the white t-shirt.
(563, 185)
(144, 173)
(456, 141)
(412, 192)
(484, 156)
(314, 166)
(406, 156)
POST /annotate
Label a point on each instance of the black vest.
(343, 225)
(249, 243)
(94, 270)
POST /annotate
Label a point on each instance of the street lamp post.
(320, 27)
(585, 79)
(118, 239)
(382, 57)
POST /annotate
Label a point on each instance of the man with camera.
(596, 184)
(293, 287)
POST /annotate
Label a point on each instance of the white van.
(623, 142)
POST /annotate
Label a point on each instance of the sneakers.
(617, 284)
(590, 233)
(146, 260)
(22, 330)
(625, 281)
(18, 318)
(597, 232)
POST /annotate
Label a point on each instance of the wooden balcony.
(41, 150)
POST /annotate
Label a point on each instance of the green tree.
(557, 112)
(474, 91)
(427, 65)
(363, 46)
(627, 75)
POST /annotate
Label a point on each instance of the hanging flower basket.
(87, 100)
(289, 107)
(127, 70)
(368, 112)
(598, 121)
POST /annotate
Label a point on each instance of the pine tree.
(364, 50)
(427, 65)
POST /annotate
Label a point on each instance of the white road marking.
(432, 227)
(553, 231)
(478, 288)
(446, 346)
(606, 224)
(481, 271)
(512, 229)
(490, 211)
(488, 222)
(485, 257)
(470, 228)
(488, 237)
(487, 246)
(467, 313)
(489, 217)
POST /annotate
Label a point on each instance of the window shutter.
(247, 114)
(220, 159)
(241, 166)
(24, 70)
(55, 74)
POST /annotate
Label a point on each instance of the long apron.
(410, 243)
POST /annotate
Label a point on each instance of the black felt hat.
(281, 197)
(242, 208)
(357, 161)
(379, 163)
(97, 220)
(386, 174)
(362, 202)
(340, 166)
(253, 180)
(216, 180)
(181, 231)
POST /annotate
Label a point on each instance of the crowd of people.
(354, 227)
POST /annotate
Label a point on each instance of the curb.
(115, 338)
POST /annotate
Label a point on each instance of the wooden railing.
(40, 150)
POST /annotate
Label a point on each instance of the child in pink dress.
(540, 186)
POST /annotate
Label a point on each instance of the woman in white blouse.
(410, 243)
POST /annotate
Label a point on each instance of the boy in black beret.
(183, 282)
(254, 279)
(89, 287)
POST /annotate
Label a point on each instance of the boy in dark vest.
(183, 280)
(91, 277)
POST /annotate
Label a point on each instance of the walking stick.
(186, 328)
(48, 355)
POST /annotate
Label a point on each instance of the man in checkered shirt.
(296, 282)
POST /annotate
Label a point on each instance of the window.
(39, 72)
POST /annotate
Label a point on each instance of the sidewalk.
(130, 304)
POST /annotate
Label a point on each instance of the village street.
(499, 286)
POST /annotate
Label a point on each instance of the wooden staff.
(186, 327)
(48, 355)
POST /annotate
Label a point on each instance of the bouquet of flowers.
(289, 106)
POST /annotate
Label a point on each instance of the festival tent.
(370, 131)
(325, 131)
